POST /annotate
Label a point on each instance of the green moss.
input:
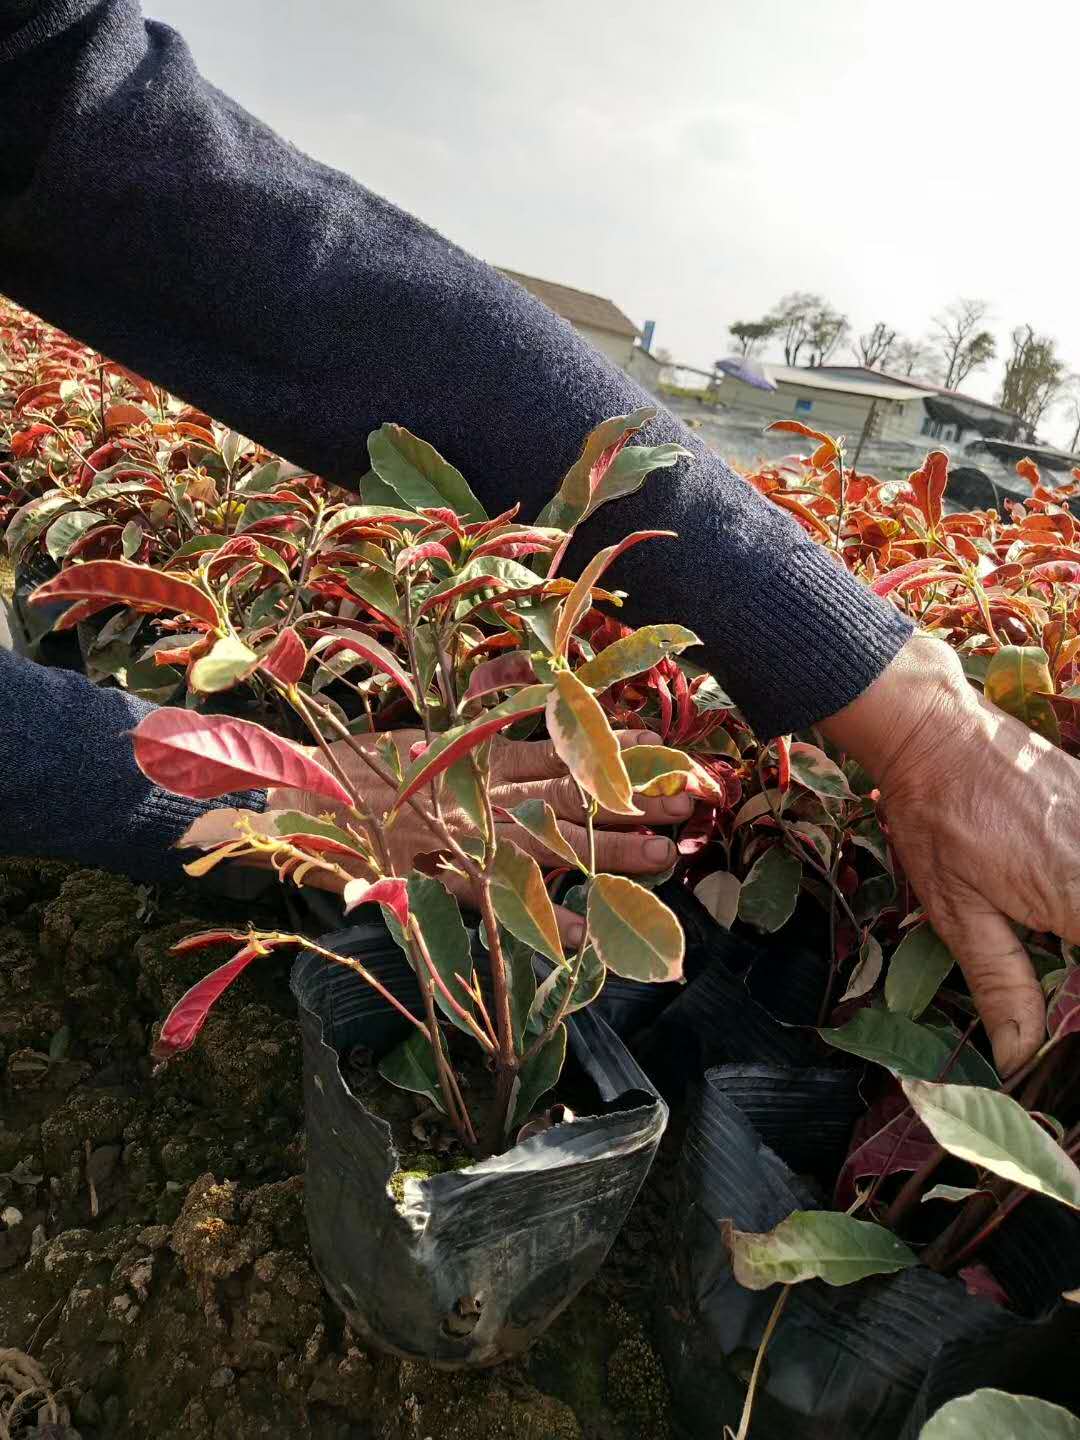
(422, 1167)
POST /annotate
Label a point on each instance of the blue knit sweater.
(146, 213)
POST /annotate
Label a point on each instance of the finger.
(563, 797)
(618, 851)
(515, 760)
(1000, 977)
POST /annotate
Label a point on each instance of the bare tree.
(750, 335)
(827, 328)
(875, 348)
(1035, 375)
(962, 341)
(915, 357)
(792, 319)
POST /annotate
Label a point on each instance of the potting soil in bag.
(466, 1267)
(844, 1363)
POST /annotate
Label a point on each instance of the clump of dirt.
(154, 1259)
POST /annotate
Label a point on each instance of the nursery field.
(519, 1147)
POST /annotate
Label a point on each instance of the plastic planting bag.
(469, 1266)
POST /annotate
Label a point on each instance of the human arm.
(145, 212)
(985, 817)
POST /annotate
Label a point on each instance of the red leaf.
(444, 516)
(901, 1145)
(27, 442)
(894, 579)
(980, 1282)
(204, 938)
(1029, 471)
(415, 554)
(98, 460)
(116, 580)
(530, 539)
(392, 892)
(783, 763)
(125, 413)
(204, 756)
(445, 750)
(38, 397)
(502, 673)
(796, 427)
(798, 509)
(377, 656)
(80, 611)
(929, 484)
(145, 389)
(287, 658)
(1063, 1015)
(188, 1015)
(477, 582)
(480, 528)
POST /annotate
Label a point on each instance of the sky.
(695, 161)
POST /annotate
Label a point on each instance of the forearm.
(152, 217)
(69, 787)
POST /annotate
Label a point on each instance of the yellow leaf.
(586, 744)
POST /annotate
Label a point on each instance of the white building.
(835, 403)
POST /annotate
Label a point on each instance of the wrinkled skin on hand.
(985, 818)
(521, 770)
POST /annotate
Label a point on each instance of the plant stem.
(755, 1375)
(365, 974)
(506, 1062)
(311, 540)
(444, 990)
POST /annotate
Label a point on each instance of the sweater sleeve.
(145, 212)
(71, 788)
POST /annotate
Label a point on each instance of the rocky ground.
(153, 1253)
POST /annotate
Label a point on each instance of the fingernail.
(646, 737)
(1006, 1043)
(660, 852)
(575, 933)
(681, 805)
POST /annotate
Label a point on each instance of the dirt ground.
(153, 1253)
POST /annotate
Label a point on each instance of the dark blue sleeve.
(69, 785)
(149, 215)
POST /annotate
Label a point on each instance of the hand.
(985, 818)
(520, 770)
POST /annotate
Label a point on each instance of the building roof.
(873, 376)
(813, 378)
(577, 306)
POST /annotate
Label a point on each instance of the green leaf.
(993, 1415)
(632, 467)
(540, 1075)
(541, 618)
(575, 495)
(539, 820)
(634, 654)
(522, 903)
(374, 491)
(634, 933)
(719, 893)
(956, 1193)
(989, 1129)
(1014, 678)
(919, 965)
(389, 754)
(30, 519)
(868, 836)
(550, 994)
(521, 979)
(467, 791)
(865, 975)
(907, 1048)
(228, 662)
(769, 892)
(65, 530)
(130, 539)
(817, 838)
(813, 768)
(419, 474)
(584, 741)
(815, 1245)
(657, 769)
(411, 1066)
(377, 588)
(439, 919)
(294, 822)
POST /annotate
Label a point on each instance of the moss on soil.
(174, 1296)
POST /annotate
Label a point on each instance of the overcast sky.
(695, 160)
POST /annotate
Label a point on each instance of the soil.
(153, 1251)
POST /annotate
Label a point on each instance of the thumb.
(999, 974)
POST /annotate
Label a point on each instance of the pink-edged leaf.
(204, 938)
(502, 673)
(451, 746)
(443, 516)
(892, 580)
(188, 1015)
(515, 543)
(121, 582)
(579, 598)
(286, 659)
(391, 892)
(415, 554)
(475, 582)
(1063, 1014)
(204, 756)
(479, 528)
(80, 611)
(899, 1146)
(377, 656)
